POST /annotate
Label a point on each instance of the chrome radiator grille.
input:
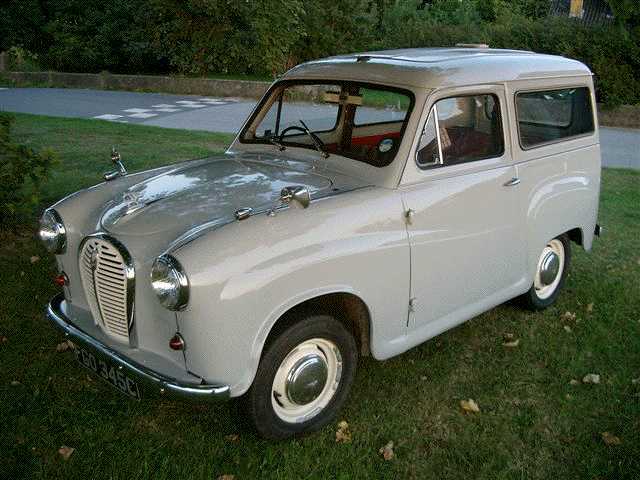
(107, 278)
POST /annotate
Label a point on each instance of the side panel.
(245, 275)
(560, 182)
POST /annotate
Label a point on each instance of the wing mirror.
(117, 161)
(299, 194)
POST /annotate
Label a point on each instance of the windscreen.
(359, 121)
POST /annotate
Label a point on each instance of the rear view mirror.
(341, 98)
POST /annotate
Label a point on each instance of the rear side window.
(553, 115)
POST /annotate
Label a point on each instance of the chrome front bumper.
(151, 382)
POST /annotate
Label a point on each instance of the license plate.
(105, 370)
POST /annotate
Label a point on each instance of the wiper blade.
(316, 141)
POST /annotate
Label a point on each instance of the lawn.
(533, 422)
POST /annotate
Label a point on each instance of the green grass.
(84, 147)
(533, 424)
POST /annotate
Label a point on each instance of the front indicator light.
(176, 342)
(61, 280)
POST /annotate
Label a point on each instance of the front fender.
(246, 275)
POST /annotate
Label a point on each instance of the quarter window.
(553, 115)
(466, 129)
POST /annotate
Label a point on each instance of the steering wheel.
(292, 127)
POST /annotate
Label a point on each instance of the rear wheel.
(303, 378)
(551, 272)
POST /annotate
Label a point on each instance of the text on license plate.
(107, 371)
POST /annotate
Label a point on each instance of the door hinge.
(408, 215)
(412, 305)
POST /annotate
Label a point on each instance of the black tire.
(257, 402)
(531, 300)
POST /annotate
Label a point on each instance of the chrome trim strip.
(437, 122)
(155, 382)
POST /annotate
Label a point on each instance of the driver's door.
(467, 250)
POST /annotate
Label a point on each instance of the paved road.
(620, 147)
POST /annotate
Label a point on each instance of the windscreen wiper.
(272, 140)
(316, 141)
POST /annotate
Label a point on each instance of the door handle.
(513, 182)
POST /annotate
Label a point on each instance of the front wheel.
(551, 272)
(303, 378)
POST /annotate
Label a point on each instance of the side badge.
(385, 145)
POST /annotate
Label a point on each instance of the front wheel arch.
(348, 308)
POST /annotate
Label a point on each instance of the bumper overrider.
(148, 383)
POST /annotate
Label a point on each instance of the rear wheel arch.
(576, 236)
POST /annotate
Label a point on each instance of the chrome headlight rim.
(179, 298)
(52, 219)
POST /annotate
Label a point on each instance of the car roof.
(439, 67)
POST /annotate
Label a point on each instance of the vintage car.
(370, 202)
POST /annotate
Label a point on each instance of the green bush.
(22, 172)
(22, 60)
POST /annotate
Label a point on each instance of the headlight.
(170, 283)
(52, 232)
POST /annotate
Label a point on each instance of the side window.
(428, 151)
(553, 115)
(469, 129)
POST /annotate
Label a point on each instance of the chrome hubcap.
(549, 268)
(306, 380)
(549, 271)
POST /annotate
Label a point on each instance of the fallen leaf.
(610, 439)
(590, 308)
(387, 451)
(226, 476)
(15, 383)
(567, 329)
(234, 437)
(573, 381)
(591, 378)
(66, 452)
(35, 259)
(423, 378)
(343, 434)
(469, 406)
(569, 316)
(63, 347)
(511, 344)
(3, 339)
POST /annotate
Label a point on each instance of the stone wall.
(152, 83)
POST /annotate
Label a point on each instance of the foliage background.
(266, 37)
(23, 170)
